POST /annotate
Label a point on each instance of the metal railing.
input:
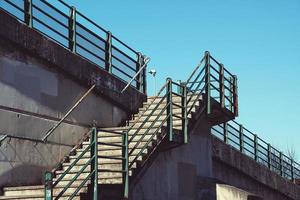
(74, 31)
(175, 102)
(211, 77)
(243, 140)
(157, 114)
(55, 191)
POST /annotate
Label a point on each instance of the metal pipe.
(67, 114)
(147, 60)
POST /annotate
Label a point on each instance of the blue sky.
(257, 40)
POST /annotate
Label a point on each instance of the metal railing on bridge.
(74, 31)
(243, 140)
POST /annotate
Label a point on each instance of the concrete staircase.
(145, 134)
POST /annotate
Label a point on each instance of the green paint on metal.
(241, 137)
(222, 86)
(207, 81)
(125, 162)
(225, 129)
(255, 148)
(235, 96)
(184, 112)
(28, 13)
(48, 186)
(108, 54)
(94, 155)
(169, 109)
(72, 29)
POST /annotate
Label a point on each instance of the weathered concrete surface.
(39, 82)
(60, 58)
(173, 174)
(236, 169)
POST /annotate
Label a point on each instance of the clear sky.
(258, 40)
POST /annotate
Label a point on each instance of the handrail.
(92, 174)
(65, 32)
(146, 61)
(248, 143)
(50, 131)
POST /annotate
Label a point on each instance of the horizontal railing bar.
(111, 144)
(113, 158)
(85, 49)
(124, 63)
(128, 47)
(111, 170)
(176, 94)
(54, 8)
(220, 64)
(214, 69)
(48, 15)
(89, 20)
(89, 31)
(50, 28)
(61, 1)
(177, 105)
(89, 41)
(111, 131)
(124, 54)
(14, 5)
(124, 73)
(179, 117)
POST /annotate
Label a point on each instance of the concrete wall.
(236, 169)
(173, 174)
(39, 82)
(207, 169)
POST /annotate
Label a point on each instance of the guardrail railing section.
(84, 172)
(215, 81)
(74, 31)
(250, 144)
(222, 84)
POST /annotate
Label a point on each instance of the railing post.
(280, 161)
(48, 185)
(231, 94)
(184, 112)
(241, 138)
(125, 168)
(139, 78)
(255, 148)
(144, 78)
(169, 109)
(225, 131)
(207, 81)
(72, 29)
(269, 157)
(222, 87)
(108, 53)
(94, 164)
(28, 13)
(235, 96)
(292, 170)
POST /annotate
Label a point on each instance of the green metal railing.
(175, 102)
(54, 191)
(157, 114)
(74, 31)
(212, 79)
(243, 140)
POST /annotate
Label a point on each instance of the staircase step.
(36, 192)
